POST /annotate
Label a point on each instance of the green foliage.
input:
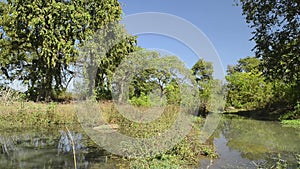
(101, 56)
(247, 87)
(247, 64)
(277, 36)
(108, 66)
(292, 123)
(160, 79)
(281, 164)
(173, 93)
(165, 83)
(202, 70)
(294, 114)
(203, 73)
(297, 110)
(248, 90)
(185, 154)
(165, 161)
(298, 160)
(39, 40)
(63, 96)
(160, 91)
(142, 100)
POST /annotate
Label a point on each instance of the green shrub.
(294, 114)
(291, 123)
(143, 100)
(164, 162)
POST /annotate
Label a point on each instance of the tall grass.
(20, 114)
(9, 96)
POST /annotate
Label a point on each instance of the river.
(240, 143)
(248, 143)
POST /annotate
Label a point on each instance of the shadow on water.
(271, 113)
(249, 143)
(51, 148)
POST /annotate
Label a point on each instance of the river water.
(240, 143)
(51, 148)
(247, 143)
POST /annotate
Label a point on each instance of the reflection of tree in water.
(50, 149)
(6, 145)
(261, 139)
(65, 143)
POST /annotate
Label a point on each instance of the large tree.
(276, 25)
(246, 87)
(203, 74)
(102, 55)
(39, 39)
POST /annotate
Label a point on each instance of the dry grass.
(18, 114)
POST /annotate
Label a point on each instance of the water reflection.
(65, 143)
(50, 148)
(247, 143)
(241, 143)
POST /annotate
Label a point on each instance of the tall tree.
(39, 39)
(203, 70)
(100, 56)
(276, 25)
(203, 73)
(110, 63)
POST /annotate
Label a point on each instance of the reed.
(73, 147)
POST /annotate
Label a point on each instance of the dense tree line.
(249, 89)
(276, 32)
(47, 44)
(42, 43)
(271, 79)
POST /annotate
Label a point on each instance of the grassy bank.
(292, 123)
(269, 114)
(259, 114)
(288, 114)
(21, 114)
(184, 154)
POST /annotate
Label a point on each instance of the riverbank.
(22, 114)
(260, 114)
(291, 123)
(42, 115)
(264, 115)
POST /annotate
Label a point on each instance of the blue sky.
(219, 20)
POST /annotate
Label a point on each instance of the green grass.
(293, 123)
